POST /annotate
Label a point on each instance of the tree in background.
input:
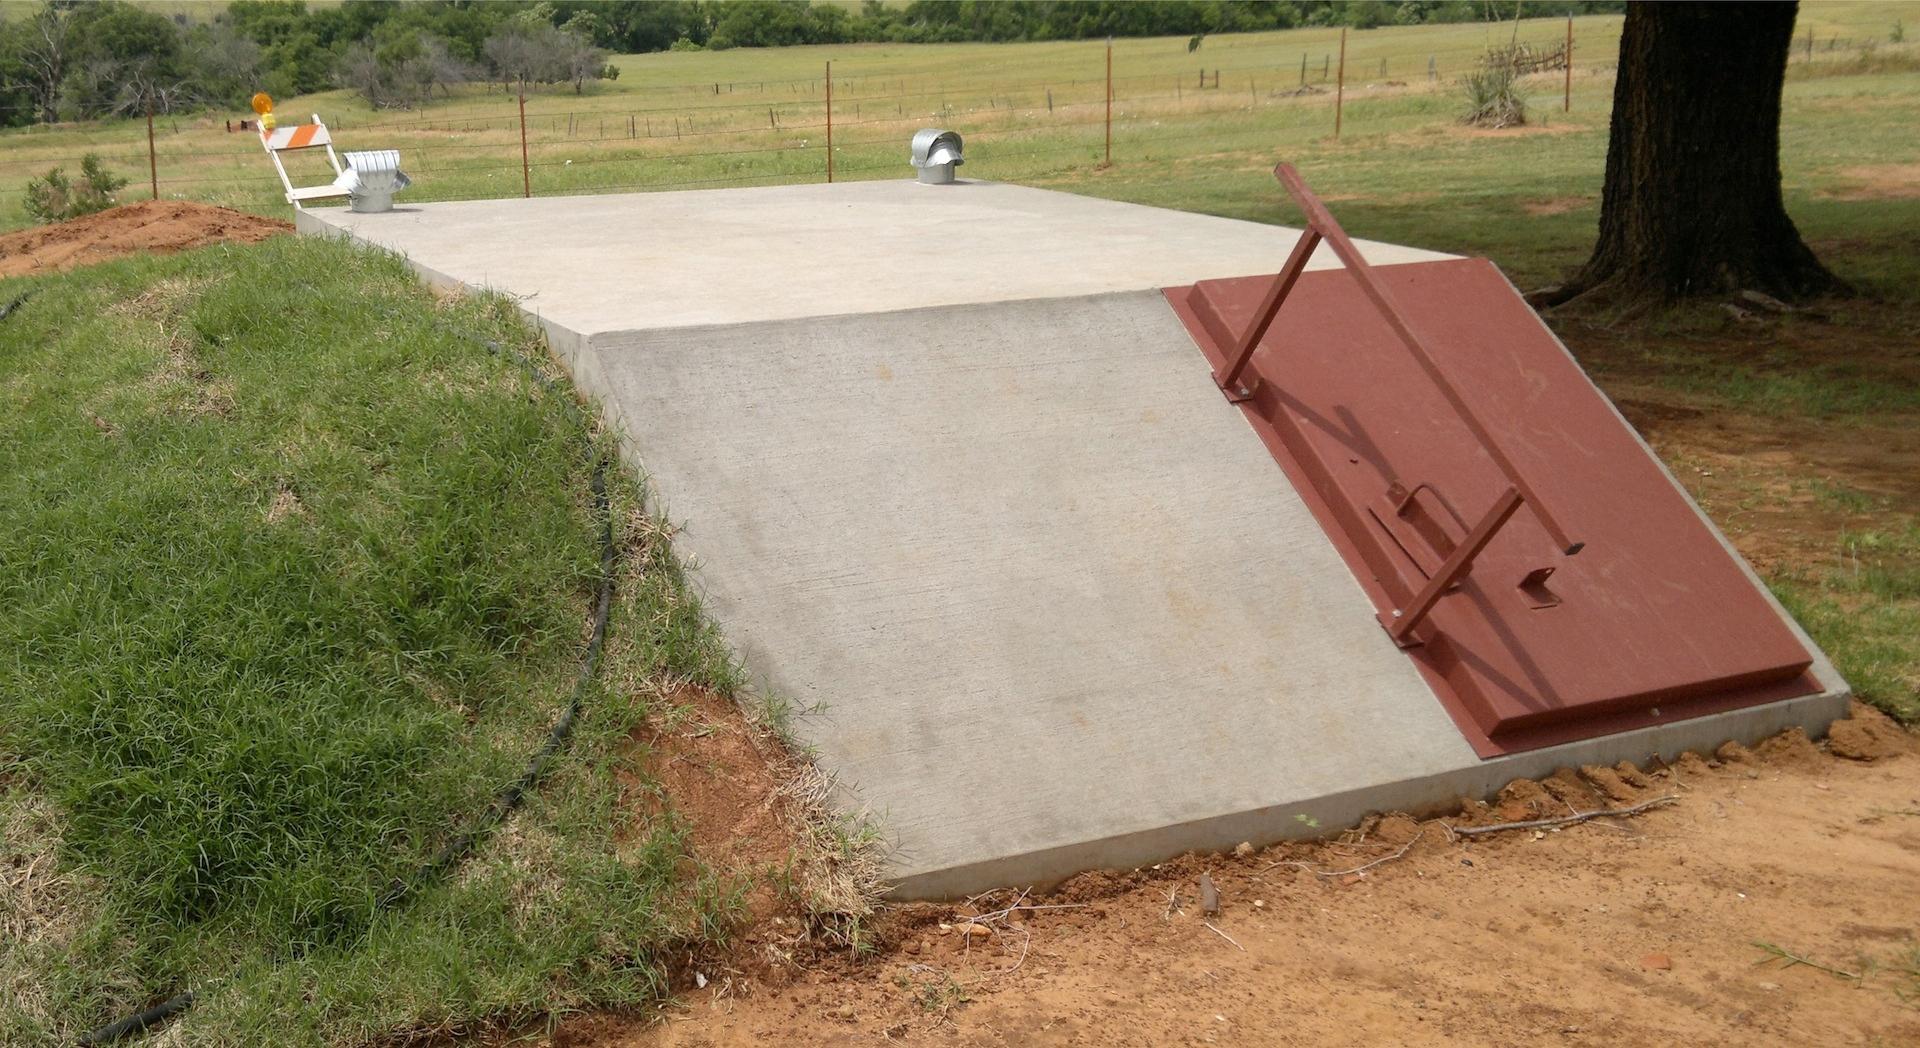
(531, 50)
(1692, 205)
(123, 60)
(37, 55)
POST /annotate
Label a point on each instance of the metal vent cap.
(371, 179)
(935, 154)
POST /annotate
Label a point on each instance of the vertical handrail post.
(1229, 379)
(1401, 622)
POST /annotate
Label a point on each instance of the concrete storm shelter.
(980, 471)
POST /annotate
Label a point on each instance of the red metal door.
(1522, 544)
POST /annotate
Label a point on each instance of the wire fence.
(488, 141)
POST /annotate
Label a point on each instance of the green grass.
(295, 580)
(1865, 611)
(1031, 113)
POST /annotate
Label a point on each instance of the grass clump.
(296, 578)
(1864, 611)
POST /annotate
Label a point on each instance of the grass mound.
(296, 578)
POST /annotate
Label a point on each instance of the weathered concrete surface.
(975, 494)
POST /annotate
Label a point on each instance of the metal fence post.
(1340, 85)
(1566, 105)
(829, 120)
(526, 169)
(1109, 160)
(153, 162)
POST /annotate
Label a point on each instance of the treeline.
(719, 24)
(82, 59)
(77, 59)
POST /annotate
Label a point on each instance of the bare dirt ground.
(1614, 931)
(161, 226)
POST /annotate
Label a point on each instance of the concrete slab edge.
(1424, 796)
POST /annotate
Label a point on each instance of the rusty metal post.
(526, 169)
(1109, 160)
(829, 120)
(1566, 105)
(1340, 86)
(153, 162)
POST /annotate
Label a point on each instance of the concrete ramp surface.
(949, 465)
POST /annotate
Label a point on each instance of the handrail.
(1321, 225)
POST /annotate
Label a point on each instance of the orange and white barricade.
(280, 140)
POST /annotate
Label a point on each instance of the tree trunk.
(1691, 205)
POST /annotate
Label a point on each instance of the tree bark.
(1691, 205)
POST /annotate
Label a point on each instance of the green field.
(1031, 113)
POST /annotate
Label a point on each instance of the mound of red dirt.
(161, 226)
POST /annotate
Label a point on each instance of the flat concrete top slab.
(652, 260)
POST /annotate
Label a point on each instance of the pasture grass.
(1864, 609)
(1031, 112)
(296, 578)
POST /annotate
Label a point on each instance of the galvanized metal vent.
(371, 178)
(935, 154)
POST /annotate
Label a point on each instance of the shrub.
(1494, 96)
(54, 198)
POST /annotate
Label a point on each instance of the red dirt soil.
(1614, 931)
(158, 226)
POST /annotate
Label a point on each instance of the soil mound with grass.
(162, 226)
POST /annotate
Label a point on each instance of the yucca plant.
(1494, 95)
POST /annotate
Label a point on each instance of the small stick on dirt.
(1789, 959)
(1363, 867)
(1224, 935)
(1541, 824)
(1173, 903)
